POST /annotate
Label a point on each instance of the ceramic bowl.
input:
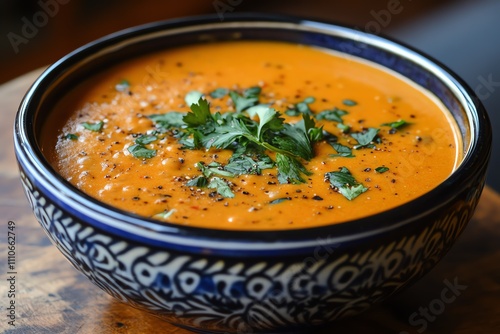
(214, 281)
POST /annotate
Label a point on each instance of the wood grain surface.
(460, 295)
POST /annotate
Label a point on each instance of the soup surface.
(251, 136)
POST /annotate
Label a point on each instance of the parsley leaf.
(166, 121)
(397, 124)
(71, 136)
(165, 214)
(365, 138)
(301, 107)
(342, 151)
(199, 115)
(199, 182)
(221, 186)
(96, 127)
(219, 93)
(381, 169)
(334, 115)
(290, 170)
(345, 183)
(349, 102)
(249, 98)
(140, 151)
(192, 97)
(145, 139)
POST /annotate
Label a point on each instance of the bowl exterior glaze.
(266, 282)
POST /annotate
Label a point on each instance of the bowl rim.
(136, 227)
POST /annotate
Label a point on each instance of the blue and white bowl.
(215, 281)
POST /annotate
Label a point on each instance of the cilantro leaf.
(248, 161)
(221, 187)
(96, 127)
(365, 138)
(140, 151)
(345, 183)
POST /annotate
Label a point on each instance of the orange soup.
(251, 136)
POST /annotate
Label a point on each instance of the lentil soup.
(251, 136)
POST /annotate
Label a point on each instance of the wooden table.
(52, 297)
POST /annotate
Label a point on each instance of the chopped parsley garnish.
(301, 107)
(71, 136)
(334, 115)
(249, 98)
(221, 187)
(145, 139)
(165, 214)
(366, 138)
(219, 93)
(96, 127)
(168, 120)
(345, 183)
(381, 169)
(140, 151)
(342, 151)
(349, 102)
(397, 124)
(123, 86)
(192, 97)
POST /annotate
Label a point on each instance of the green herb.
(334, 115)
(248, 161)
(145, 139)
(123, 86)
(344, 128)
(165, 214)
(301, 107)
(199, 182)
(290, 170)
(71, 136)
(249, 98)
(221, 187)
(219, 93)
(140, 151)
(96, 127)
(342, 151)
(396, 125)
(381, 169)
(280, 200)
(366, 138)
(167, 121)
(192, 97)
(349, 103)
(345, 183)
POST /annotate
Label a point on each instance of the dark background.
(464, 35)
